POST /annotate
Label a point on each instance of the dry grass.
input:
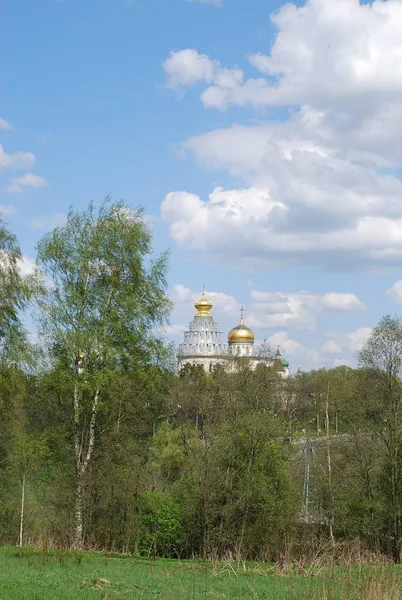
(330, 575)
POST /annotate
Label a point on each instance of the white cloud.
(324, 51)
(395, 291)
(335, 302)
(298, 309)
(310, 358)
(317, 222)
(295, 352)
(334, 49)
(7, 209)
(48, 221)
(195, 223)
(323, 184)
(5, 125)
(17, 160)
(350, 342)
(18, 184)
(331, 347)
(356, 339)
(26, 265)
(268, 310)
(188, 68)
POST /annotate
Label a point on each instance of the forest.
(104, 446)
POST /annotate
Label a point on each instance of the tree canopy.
(103, 444)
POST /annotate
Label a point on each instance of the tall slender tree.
(381, 356)
(101, 313)
(14, 293)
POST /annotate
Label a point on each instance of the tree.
(101, 314)
(381, 357)
(14, 293)
(30, 450)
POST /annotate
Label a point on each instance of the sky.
(263, 139)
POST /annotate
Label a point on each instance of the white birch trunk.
(21, 536)
(329, 464)
(81, 462)
(78, 539)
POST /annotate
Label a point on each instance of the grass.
(54, 575)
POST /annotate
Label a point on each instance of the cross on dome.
(203, 305)
(241, 333)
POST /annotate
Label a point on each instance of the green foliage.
(107, 294)
(100, 315)
(15, 293)
(160, 529)
(98, 435)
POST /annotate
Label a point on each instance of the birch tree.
(104, 305)
(381, 356)
(30, 450)
(14, 294)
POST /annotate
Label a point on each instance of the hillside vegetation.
(104, 446)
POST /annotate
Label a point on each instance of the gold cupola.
(241, 333)
(203, 306)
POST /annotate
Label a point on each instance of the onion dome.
(241, 333)
(203, 306)
(278, 362)
(285, 363)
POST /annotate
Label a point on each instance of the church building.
(204, 344)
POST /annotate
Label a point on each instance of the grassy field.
(53, 575)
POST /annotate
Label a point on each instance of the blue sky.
(266, 150)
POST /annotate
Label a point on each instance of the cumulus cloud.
(29, 180)
(299, 222)
(350, 342)
(297, 310)
(336, 302)
(268, 310)
(331, 347)
(194, 223)
(395, 291)
(188, 68)
(324, 51)
(295, 352)
(323, 184)
(7, 209)
(16, 160)
(355, 340)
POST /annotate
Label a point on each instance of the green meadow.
(61, 575)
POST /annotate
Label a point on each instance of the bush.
(160, 529)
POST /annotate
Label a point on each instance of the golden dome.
(241, 333)
(203, 306)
